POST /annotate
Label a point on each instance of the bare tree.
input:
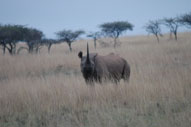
(115, 29)
(172, 24)
(69, 36)
(153, 27)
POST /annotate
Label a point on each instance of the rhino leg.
(98, 79)
(126, 72)
(89, 81)
(92, 80)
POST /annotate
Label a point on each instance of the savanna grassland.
(48, 90)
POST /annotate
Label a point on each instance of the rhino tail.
(126, 71)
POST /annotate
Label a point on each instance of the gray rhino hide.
(110, 67)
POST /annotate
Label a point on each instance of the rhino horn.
(88, 57)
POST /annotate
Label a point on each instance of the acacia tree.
(153, 27)
(49, 43)
(172, 24)
(95, 36)
(9, 36)
(115, 29)
(33, 39)
(186, 19)
(69, 36)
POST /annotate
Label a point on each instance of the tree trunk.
(95, 43)
(4, 48)
(70, 47)
(14, 48)
(10, 49)
(49, 46)
(115, 42)
(31, 49)
(175, 35)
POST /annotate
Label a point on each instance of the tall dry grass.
(49, 90)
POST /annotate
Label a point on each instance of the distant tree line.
(11, 35)
(154, 26)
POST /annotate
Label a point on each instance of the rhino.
(96, 68)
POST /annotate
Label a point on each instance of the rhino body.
(97, 68)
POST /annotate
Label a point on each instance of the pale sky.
(51, 16)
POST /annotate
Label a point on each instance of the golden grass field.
(48, 90)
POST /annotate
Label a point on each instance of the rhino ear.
(80, 54)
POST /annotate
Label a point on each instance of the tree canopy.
(115, 29)
(69, 36)
(9, 36)
(186, 19)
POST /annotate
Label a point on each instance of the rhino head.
(87, 64)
